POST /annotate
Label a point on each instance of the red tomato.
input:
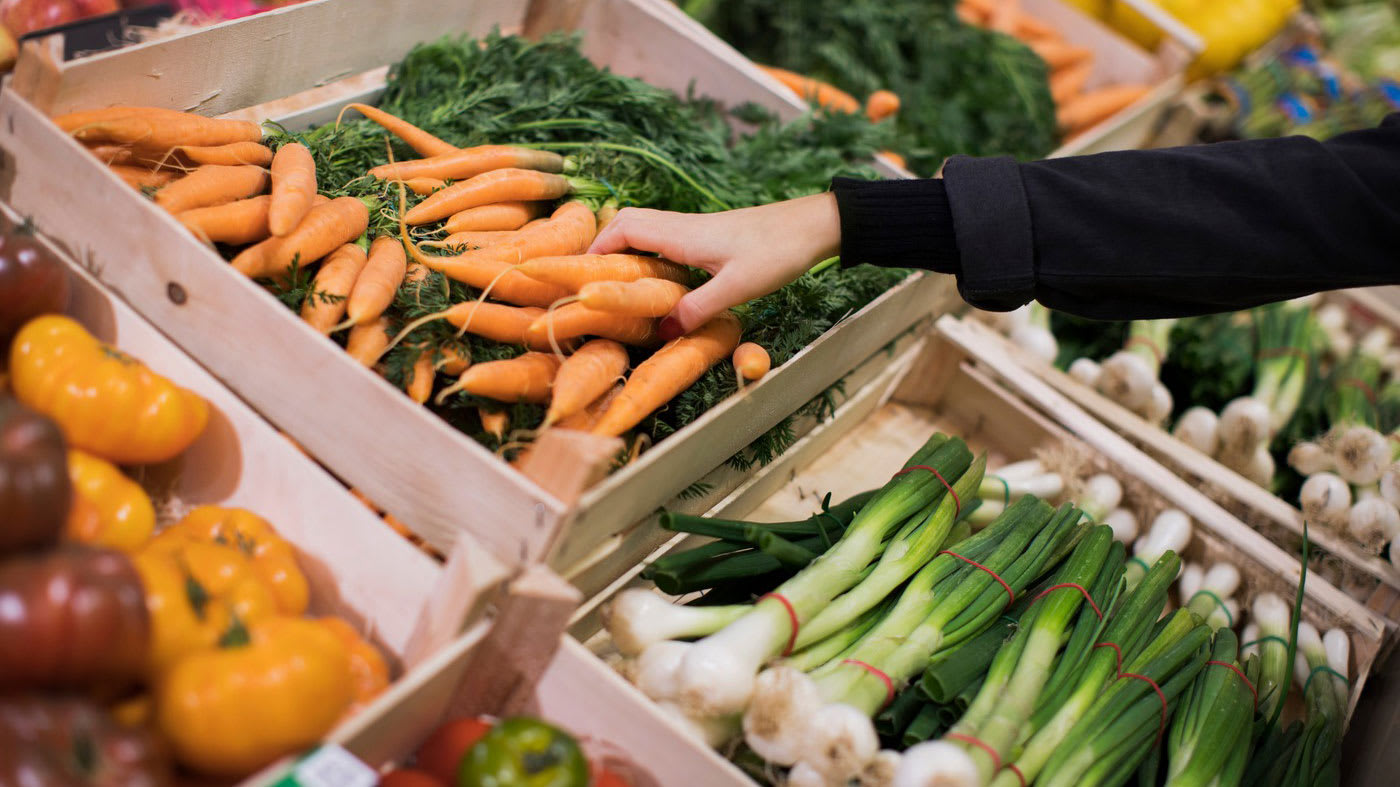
(24, 16)
(603, 776)
(408, 777)
(441, 754)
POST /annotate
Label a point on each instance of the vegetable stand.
(426, 618)
(1368, 577)
(304, 384)
(939, 386)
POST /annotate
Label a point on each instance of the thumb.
(699, 307)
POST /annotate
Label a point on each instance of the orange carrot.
(118, 154)
(424, 186)
(584, 420)
(165, 130)
(473, 240)
(1097, 105)
(140, 177)
(751, 361)
(669, 371)
(572, 272)
(419, 382)
(815, 91)
(494, 321)
(76, 120)
(499, 185)
(495, 421)
(525, 378)
(377, 284)
(575, 320)
(585, 376)
(454, 359)
(325, 305)
(880, 105)
(606, 214)
(569, 231)
(293, 187)
(895, 159)
(470, 162)
(1004, 15)
(254, 153)
(1030, 29)
(1058, 54)
(640, 298)
(1068, 82)
(510, 215)
(326, 228)
(367, 342)
(424, 143)
(239, 223)
(211, 185)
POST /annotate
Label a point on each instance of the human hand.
(750, 252)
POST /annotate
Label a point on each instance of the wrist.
(820, 223)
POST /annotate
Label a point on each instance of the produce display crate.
(285, 67)
(940, 384)
(1366, 577)
(429, 619)
(1117, 60)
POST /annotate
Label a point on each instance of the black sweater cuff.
(896, 224)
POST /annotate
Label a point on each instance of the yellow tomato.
(106, 402)
(196, 593)
(1130, 23)
(273, 559)
(113, 511)
(369, 673)
(230, 710)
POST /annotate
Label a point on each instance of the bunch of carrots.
(879, 105)
(1076, 109)
(519, 234)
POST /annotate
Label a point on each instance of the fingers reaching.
(638, 229)
(699, 307)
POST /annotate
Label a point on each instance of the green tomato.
(524, 752)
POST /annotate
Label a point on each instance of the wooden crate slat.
(258, 58)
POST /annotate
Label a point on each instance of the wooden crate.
(1367, 577)
(938, 385)
(413, 607)
(294, 376)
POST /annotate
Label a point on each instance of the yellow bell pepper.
(106, 402)
(1126, 20)
(273, 558)
(230, 710)
(110, 509)
(197, 593)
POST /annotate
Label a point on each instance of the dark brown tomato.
(35, 491)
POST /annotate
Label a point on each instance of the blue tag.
(1293, 106)
(1391, 90)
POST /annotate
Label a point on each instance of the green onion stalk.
(1064, 706)
(1284, 336)
(1127, 722)
(715, 675)
(1011, 483)
(1210, 593)
(1129, 376)
(1321, 668)
(1267, 636)
(949, 602)
(1170, 532)
(1212, 733)
(1023, 669)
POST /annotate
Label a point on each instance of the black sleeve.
(1145, 234)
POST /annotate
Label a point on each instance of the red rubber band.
(792, 616)
(946, 485)
(971, 741)
(1361, 386)
(1010, 594)
(885, 679)
(1162, 728)
(1151, 345)
(1239, 672)
(1020, 777)
(1116, 649)
(1077, 587)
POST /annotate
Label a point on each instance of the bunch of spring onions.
(1130, 376)
(1352, 481)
